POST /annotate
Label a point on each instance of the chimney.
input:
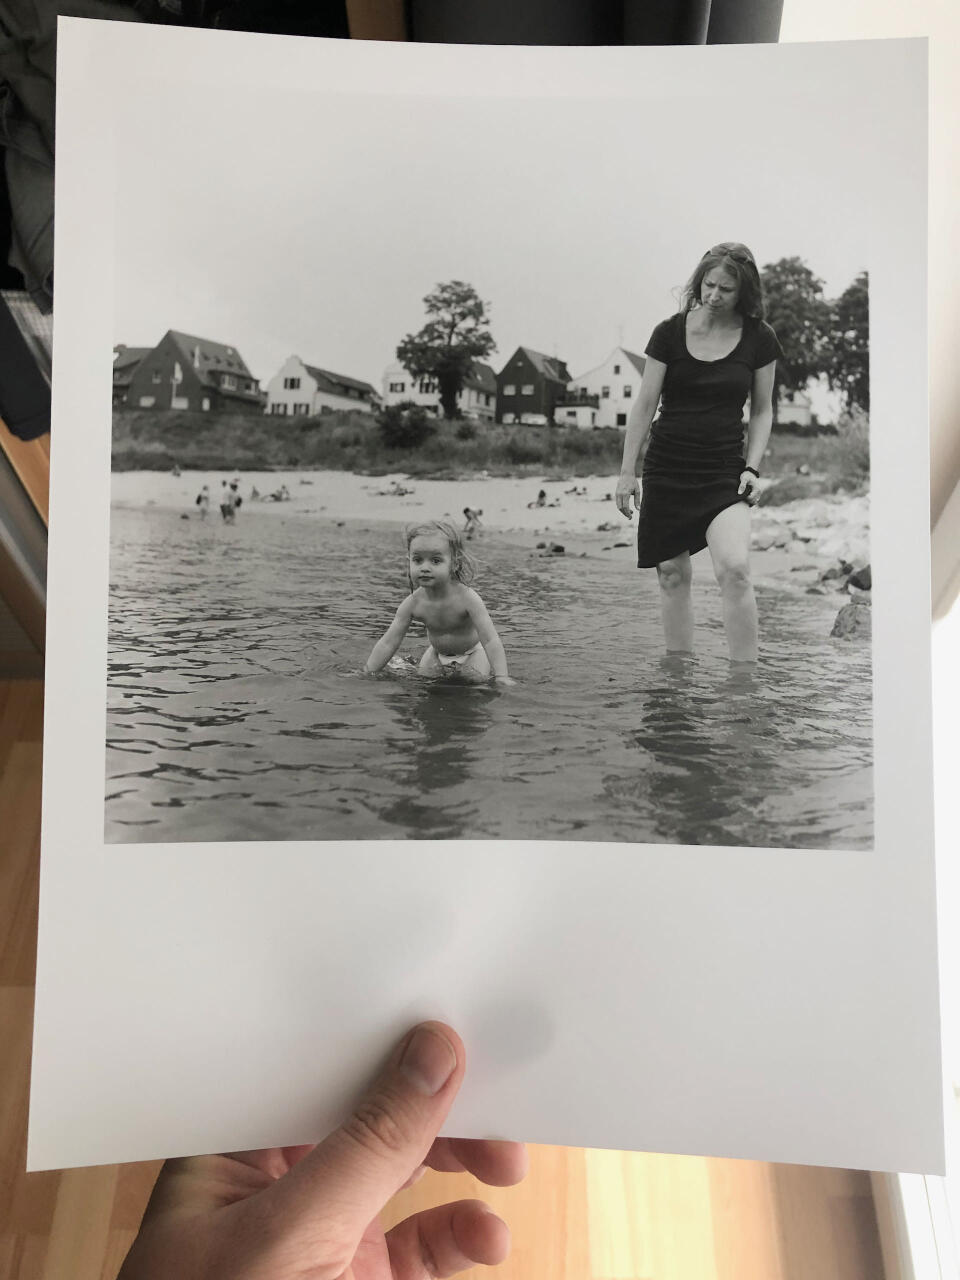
(196, 357)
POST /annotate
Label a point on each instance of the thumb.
(346, 1180)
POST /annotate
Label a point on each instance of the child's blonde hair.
(463, 564)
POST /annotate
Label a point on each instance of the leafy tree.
(457, 332)
(849, 365)
(798, 311)
(405, 425)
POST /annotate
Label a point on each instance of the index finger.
(498, 1164)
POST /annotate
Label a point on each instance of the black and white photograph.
(491, 468)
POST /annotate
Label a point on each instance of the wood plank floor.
(580, 1215)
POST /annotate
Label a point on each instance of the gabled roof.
(214, 357)
(638, 362)
(549, 366)
(337, 383)
(482, 377)
(129, 357)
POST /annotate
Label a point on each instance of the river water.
(237, 711)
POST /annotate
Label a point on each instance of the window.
(278, 408)
(301, 408)
(147, 402)
(621, 419)
(572, 415)
(605, 393)
(205, 403)
(616, 369)
(179, 402)
(509, 389)
(527, 389)
(627, 391)
(427, 386)
(398, 387)
(156, 375)
(228, 382)
(291, 384)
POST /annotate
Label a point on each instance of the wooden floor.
(580, 1215)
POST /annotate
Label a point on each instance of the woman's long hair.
(463, 564)
(740, 262)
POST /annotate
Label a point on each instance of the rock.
(853, 621)
(623, 544)
(605, 527)
(557, 549)
(541, 546)
(837, 571)
(816, 591)
(862, 579)
(803, 469)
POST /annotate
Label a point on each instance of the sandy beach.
(794, 544)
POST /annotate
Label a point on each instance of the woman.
(698, 486)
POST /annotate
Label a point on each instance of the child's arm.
(492, 644)
(390, 641)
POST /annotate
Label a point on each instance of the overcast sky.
(315, 223)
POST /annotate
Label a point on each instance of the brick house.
(299, 388)
(125, 362)
(530, 386)
(183, 372)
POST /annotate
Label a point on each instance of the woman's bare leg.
(675, 603)
(728, 537)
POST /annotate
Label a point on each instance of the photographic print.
(498, 591)
(403, 399)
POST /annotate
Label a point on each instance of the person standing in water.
(203, 502)
(700, 478)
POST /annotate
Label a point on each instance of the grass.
(156, 441)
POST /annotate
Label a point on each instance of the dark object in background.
(594, 21)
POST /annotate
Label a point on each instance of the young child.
(463, 640)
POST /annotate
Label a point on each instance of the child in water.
(463, 640)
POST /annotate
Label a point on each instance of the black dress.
(694, 459)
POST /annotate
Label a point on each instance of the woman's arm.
(390, 641)
(492, 644)
(760, 424)
(638, 427)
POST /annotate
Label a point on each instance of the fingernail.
(428, 1061)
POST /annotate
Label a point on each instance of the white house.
(795, 408)
(300, 388)
(477, 400)
(615, 384)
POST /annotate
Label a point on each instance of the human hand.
(628, 486)
(749, 488)
(295, 1212)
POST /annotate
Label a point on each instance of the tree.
(405, 425)
(457, 332)
(796, 308)
(849, 362)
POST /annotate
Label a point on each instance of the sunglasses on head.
(738, 255)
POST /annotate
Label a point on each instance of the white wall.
(617, 383)
(291, 399)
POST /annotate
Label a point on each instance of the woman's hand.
(292, 1212)
(749, 488)
(628, 486)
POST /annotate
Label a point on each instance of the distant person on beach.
(203, 502)
(463, 640)
(699, 482)
(471, 521)
(230, 501)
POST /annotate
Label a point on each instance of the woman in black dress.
(699, 474)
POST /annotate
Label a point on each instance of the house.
(184, 372)
(299, 388)
(125, 361)
(794, 409)
(477, 399)
(529, 387)
(615, 384)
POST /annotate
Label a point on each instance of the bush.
(853, 430)
(405, 425)
(466, 431)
